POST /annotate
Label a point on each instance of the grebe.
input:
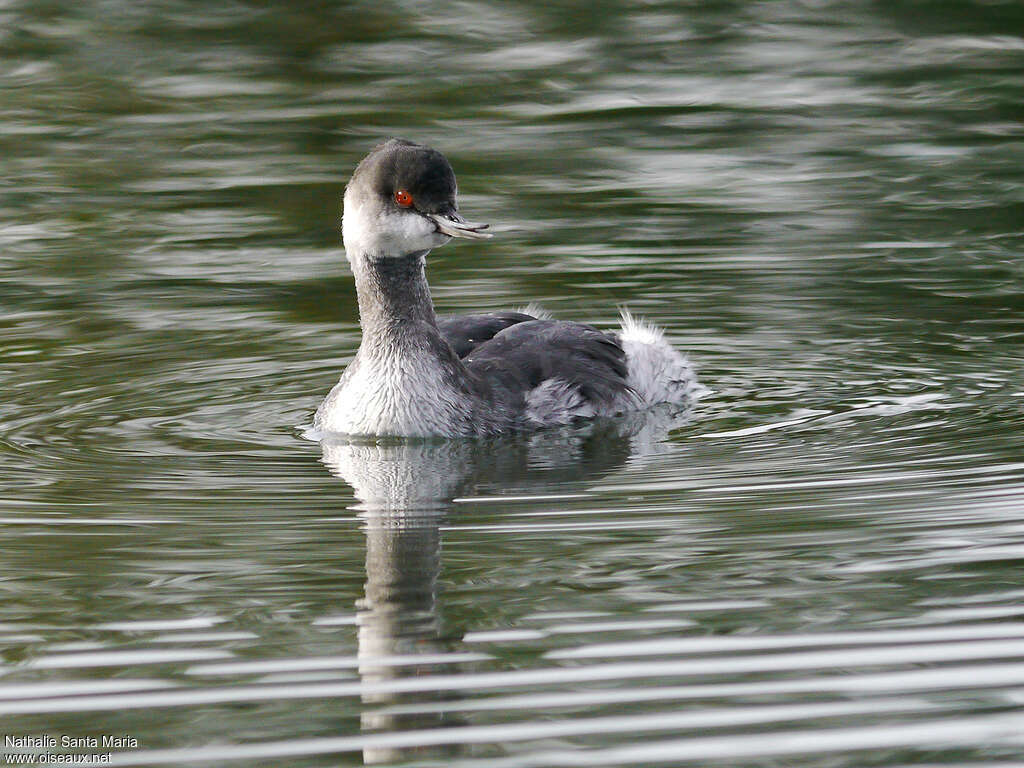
(417, 375)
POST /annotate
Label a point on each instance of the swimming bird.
(417, 375)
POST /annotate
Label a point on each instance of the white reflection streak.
(555, 676)
(944, 731)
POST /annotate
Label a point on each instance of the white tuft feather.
(640, 330)
(535, 310)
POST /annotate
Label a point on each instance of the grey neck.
(393, 294)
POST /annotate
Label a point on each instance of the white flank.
(655, 371)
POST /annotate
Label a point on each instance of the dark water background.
(823, 203)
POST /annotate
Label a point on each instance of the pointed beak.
(453, 225)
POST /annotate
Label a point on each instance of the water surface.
(819, 565)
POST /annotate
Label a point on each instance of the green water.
(822, 204)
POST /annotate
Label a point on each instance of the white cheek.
(383, 232)
(409, 232)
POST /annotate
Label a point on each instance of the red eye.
(403, 198)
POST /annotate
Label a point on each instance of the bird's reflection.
(398, 621)
(405, 490)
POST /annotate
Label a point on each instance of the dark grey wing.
(526, 354)
(464, 333)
